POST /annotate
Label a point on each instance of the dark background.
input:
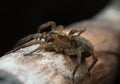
(21, 18)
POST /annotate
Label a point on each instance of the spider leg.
(81, 31)
(95, 59)
(23, 46)
(78, 63)
(42, 46)
(70, 34)
(46, 25)
(24, 40)
(28, 38)
(74, 52)
(73, 31)
(20, 44)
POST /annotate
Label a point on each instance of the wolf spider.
(56, 40)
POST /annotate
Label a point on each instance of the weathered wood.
(43, 67)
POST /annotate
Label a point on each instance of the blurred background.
(21, 18)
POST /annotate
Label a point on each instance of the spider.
(56, 40)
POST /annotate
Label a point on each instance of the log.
(43, 67)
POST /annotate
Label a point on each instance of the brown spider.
(58, 41)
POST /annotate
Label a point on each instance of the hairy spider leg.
(77, 52)
(78, 63)
(29, 38)
(95, 59)
(21, 44)
(81, 31)
(73, 31)
(24, 40)
(47, 46)
(46, 25)
(54, 28)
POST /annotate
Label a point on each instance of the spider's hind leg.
(95, 59)
(73, 31)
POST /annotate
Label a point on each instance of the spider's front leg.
(30, 37)
(24, 40)
(54, 28)
(45, 46)
(46, 25)
(22, 43)
(22, 46)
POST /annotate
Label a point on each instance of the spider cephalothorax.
(56, 40)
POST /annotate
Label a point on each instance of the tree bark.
(43, 67)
